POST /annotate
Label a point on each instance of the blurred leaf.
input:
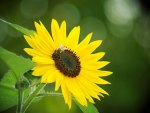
(89, 109)
(26, 92)
(9, 79)
(18, 64)
(8, 93)
(19, 28)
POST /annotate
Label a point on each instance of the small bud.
(23, 84)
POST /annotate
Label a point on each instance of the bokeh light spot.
(68, 12)
(142, 34)
(120, 31)
(33, 8)
(120, 11)
(92, 24)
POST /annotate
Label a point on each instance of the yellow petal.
(34, 43)
(92, 57)
(62, 33)
(47, 35)
(89, 48)
(41, 46)
(34, 52)
(44, 79)
(59, 78)
(73, 38)
(30, 41)
(101, 73)
(49, 76)
(76, 91)
(66, 93)
(40, 70)
(100, 95)
(55, 32)
(44, 37)
(88, 86)
(84, 42)
(94, 66)
(93, 78)
(98, 89)
(42, 60)
(104, 73)
(85, 91)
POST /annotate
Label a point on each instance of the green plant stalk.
(31, 97)
(20, 101)
(20, 98)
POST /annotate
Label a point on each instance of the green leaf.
(20, 28)
(89, 109)
(9, 79)
(18, 64)
(8, 93)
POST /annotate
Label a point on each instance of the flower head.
(73, 66)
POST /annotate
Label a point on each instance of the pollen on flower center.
(67, 62)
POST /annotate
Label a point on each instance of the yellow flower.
(73, 66)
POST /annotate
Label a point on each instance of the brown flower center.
(67, 62)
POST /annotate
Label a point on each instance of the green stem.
(31, 97)
(20, 98)
(49, 94)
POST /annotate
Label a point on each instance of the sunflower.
(73, 66)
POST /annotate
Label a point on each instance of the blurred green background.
(124, 27)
